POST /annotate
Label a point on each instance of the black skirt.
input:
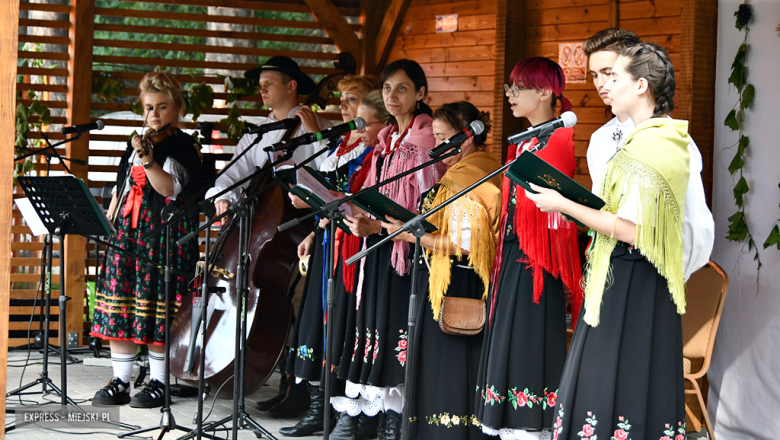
(624, 378)
(524, 350)
(443, 399)
(374, 346)
(306, 354)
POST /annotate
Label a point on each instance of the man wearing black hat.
(281, 81)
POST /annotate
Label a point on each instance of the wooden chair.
(706, 292)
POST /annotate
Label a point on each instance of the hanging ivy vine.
(735, 120)
(23, 127)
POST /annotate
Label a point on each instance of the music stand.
(66, 207)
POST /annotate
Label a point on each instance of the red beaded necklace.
(344, 148)
(394, 146)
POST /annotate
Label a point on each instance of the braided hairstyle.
(459, 115)
(163, 82)
(651, 62)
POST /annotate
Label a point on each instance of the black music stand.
(66, 207)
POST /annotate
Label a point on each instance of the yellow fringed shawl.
(653, 162)
(482, 207)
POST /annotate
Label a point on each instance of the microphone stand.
(415, 227)
(44, 380)
(243, 209)
(331, 211)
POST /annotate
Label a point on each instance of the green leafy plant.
(738, 224)
(23, 127)
(106, 86)
(235, 124)
(200, 97)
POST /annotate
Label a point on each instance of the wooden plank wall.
(9, 11)
(459, 65)
(240, 32)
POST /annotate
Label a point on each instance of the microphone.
(284, 124)
(474, 129)
(97, 125)
(308, 138)
(567, 119)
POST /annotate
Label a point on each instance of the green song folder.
(380, 207)
(531, 168)
(316, 202)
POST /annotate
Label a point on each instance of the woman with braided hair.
(130, 304)
(624, 374)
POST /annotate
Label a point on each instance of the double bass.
(272, 271)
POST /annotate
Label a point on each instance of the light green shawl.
(654, 162)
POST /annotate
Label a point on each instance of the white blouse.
(171, 166)
(698, 224)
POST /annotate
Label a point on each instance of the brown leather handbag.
(462, 316)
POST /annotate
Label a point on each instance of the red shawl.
(549, 243)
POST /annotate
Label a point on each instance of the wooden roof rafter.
(336, 26)
(388, 30)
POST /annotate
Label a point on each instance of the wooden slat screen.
(195, 40)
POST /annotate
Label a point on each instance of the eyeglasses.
(365, 127)
(514, 90)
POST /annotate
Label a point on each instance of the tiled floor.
(84, 380)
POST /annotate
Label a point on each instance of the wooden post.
(510, 20)
(614, 13)
(82, 18)
(9, 37)
(371, 12)
(696, 79)
(385, 38)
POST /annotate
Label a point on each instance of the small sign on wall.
(446, 23)
(573, 61)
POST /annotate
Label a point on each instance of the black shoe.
(345, 427)
(392, 428)
(366, 427)
(114, 393)
(295, 402)
(265, 405)
(152, 396)
(314, 419)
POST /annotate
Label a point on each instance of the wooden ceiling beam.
(388, 31)
(335, 26)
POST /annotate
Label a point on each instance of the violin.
(150, 138)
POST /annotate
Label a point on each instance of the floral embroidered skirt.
(524, 351)
(376, 353)
(130, 303)
(443, 397)
(624, 379)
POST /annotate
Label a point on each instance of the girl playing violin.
(130, 305)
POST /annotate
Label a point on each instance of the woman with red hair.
(524, 345)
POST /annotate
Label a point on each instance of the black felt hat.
(287, 66)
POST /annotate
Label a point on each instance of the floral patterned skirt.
(443, 397)
(524, 350)
(376, 354)
(624, 379)
(130, 303)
